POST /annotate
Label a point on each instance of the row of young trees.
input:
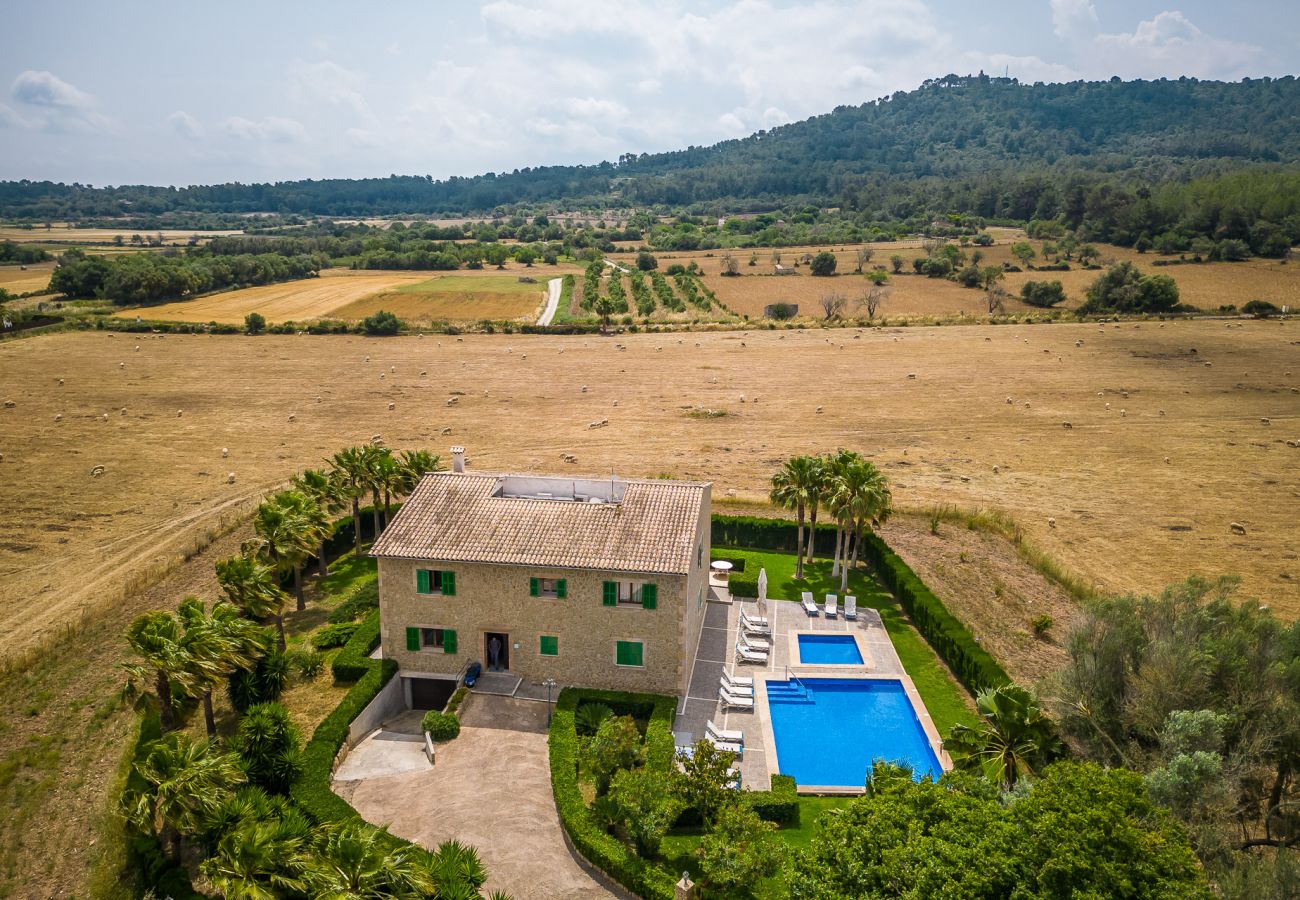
(228, 798)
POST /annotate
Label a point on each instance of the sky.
(199, 93)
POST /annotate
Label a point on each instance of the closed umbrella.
(762, 590)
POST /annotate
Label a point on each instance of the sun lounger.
(740, 690)
(753, 627)
(749, 655)
(832, 606)
(724, 734)
(850, 607)
(729, 746)
(760, 621)
(755, 643)
(734, 782)
(742, 680)
(730, 699)
(809, 604)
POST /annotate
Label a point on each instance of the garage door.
(430, 693)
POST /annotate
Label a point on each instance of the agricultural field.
(468, 296)
(26, 279)
(1206, 285)
(64, 233)
(1099, 496)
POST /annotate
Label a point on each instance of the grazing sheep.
(392, 406)
(96, 471)
(584, 389)
(292, 417)
(224, 452)
(1264, 420)
(1108, 406)
(381, 376)
(9, 404)
(1026, 404)
(423, 373)
(58, 417)
(742, 398)
(179, 413)
(1125, 394)
(1067, 425)
(1078, 343)
(60, 382)
(1162, 412)
(568, 458)
(965, 478)
(599, 423)
(392, 368)
(819, 410)
(1123, 413)
(1208, 365)
(121, 365)
(1237, 527)
(616, 403)
(911, 374)
(124, 410)
(1051, 522)
(1166, 460)
(367, 359)
(1010, 401)
(452, 401)
(104, 417)
(1293, 443)
(230, 478)
(446, 430)
(137, 348)
(996, 470)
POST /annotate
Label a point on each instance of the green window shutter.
(550, 645)
(449, 583)
(448, 641)
(412, 638)
(534, 587)
(649, 596)
(629, 653)
(611, 593)
(424, 581)
(562, 588)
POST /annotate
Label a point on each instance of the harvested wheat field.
(65, 233)
(460, 297)
(25, 279)
(1123, 516)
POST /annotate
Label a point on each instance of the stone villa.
(592, 582)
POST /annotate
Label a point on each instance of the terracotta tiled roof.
(455, 517)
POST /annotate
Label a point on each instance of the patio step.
(790, 692)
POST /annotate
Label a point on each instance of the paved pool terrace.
(717, 652)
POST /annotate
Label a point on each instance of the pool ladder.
(803, 688)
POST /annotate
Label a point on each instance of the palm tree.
(868, 503)
(352, 473)
(816, 494)
(285, 534)
(185, 781)
(253, 587)
(355, 860)
(834, 473)
(792, 489)
(260, 860)
(414, 465)
(1014, 740)
(386, 478)
(328, 494)
(220, 644)
(373, 455)
(166, 650)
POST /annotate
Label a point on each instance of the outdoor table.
(721, 568)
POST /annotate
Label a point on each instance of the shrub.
(1042, 624)
(363, 600)
(739, 852)
(333, 635)
(1260, 309)
(440, 725)
(1042, 293)
(1124, 288)
(353, 661)
(381, 323)
(823, 264)
(267, 742)
(642, 806)
(457, 699)
(260, 684)
(615, 745)
(254, 323)
(645, 261)
(590, 716)
(307, 663)
(676, 269)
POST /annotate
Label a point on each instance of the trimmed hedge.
(333, 635)
(954, 643)
(607, 853)
(441, 726)
(353, 663)
(951, 640)
(363, 600)
(780, 804)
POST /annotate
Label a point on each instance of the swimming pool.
(829, 730)
(836, 649)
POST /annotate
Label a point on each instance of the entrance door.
(500, 661)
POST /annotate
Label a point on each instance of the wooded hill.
(977, 145)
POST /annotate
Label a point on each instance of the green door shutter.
(412, 638)
(649, 596)
(449, 583)
(611, 593)
(629, 653)
(562, 588)
(534, 587)
(423, 581)
(550, 645)
(448, 641)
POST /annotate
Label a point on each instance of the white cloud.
(270, 129)
(10, 119)
(1171, 44)
(53, 104)
(1069, 16)
(329, 83)
(185, 125)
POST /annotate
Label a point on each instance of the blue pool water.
(816, 649)
(829, 731)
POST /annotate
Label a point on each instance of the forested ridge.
(985, 146)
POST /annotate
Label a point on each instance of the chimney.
(458, 459)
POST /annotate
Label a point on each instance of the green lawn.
(347, 573)
(475, 284)
(946, 700)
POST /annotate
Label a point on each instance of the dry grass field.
(1124, 518)
(459, 297)
(24, 280)
(63, 233)
(1206, 286)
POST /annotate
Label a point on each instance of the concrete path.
(555, 285)
(490, 788)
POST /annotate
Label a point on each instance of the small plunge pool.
(829, 649)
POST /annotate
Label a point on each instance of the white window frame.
(630, 640)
